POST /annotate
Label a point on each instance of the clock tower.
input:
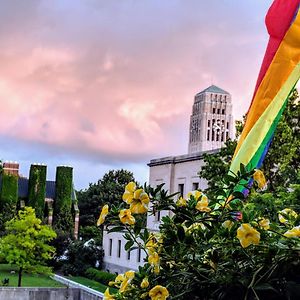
(211, 122)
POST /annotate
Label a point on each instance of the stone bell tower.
(211, 122)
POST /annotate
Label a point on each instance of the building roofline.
(180, 158)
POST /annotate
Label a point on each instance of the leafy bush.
(80, 256)
(226, 247)
(101, 276)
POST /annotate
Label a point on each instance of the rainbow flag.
(278, 75)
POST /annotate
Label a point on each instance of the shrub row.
(101, 276)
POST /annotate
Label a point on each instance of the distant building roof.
(214, 89)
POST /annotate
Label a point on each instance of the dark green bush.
(101, 276)
(37, 188)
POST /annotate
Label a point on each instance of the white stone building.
(211, 124)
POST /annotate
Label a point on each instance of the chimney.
(10, 167)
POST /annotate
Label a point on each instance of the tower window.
(214, 110)
(217, 136)
(222, 137)
(208, 134)
(181, 189)
(128, 255)
(227, 125)
(212, 135)
(218, 112)
(208, 123)
(223, 111)
(227, 135)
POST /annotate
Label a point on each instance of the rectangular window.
(110, 247)
(157, 216)
(217, 136)
(139, 252)
(128, 255)
(195, 186)
(223, 111)
(227, 135)
(119, 248)
(227, 125)
(213, 135)
(218, 112)
(208, 134)
(222, 137)
(214, 110)
(208, 123)
(181, 189)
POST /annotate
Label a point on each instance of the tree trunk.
(20, 276)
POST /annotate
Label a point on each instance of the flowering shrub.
(222, 248)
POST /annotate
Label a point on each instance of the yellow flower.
(196, 194)
(195, 226)
(108, 296)
(159, 293)
(104, 213)
(260, 179)
(145, 283)
(139, 203)
(122, 280)
(202, 205)
(181, 202)
(153, 258)
(264, 223)
(129, 191)
(294, 232)
(248, 235)
(154, 242)
(126, 217)
(129, 274)
(286, 213)
(227, 224)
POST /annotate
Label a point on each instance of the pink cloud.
(106, 81)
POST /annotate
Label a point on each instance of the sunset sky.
(109, 84)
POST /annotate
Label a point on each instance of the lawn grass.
(28, 280)
(92, 284)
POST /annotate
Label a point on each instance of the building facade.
(211, 124)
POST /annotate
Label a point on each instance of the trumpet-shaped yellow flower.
(202, 204)
(108, 296)
(264, 224)
(260, 179)
(227, 224)
(103, 214)
(126, 217)
(123, 280)
(159, 293)
(294, 232)
(139, 203)
(286, 213)
(129, 274)
(181, 202)
(248, 235)
(129, 192)
(196, 194)
(145, 283)
(153, 258)
(154, 242)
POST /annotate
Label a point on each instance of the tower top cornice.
(213, 89)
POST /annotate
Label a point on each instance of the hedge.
(9, 190)
(62, 215)
(101, 276)
(37, 189)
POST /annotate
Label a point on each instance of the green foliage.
(26, 243)
(80, 256)
(62, 215)
(9, 190)
(37, 189)
(197, 253)
(101, 276)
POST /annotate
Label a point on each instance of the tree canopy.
(26, 243)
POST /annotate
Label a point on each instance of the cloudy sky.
(107, 84)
